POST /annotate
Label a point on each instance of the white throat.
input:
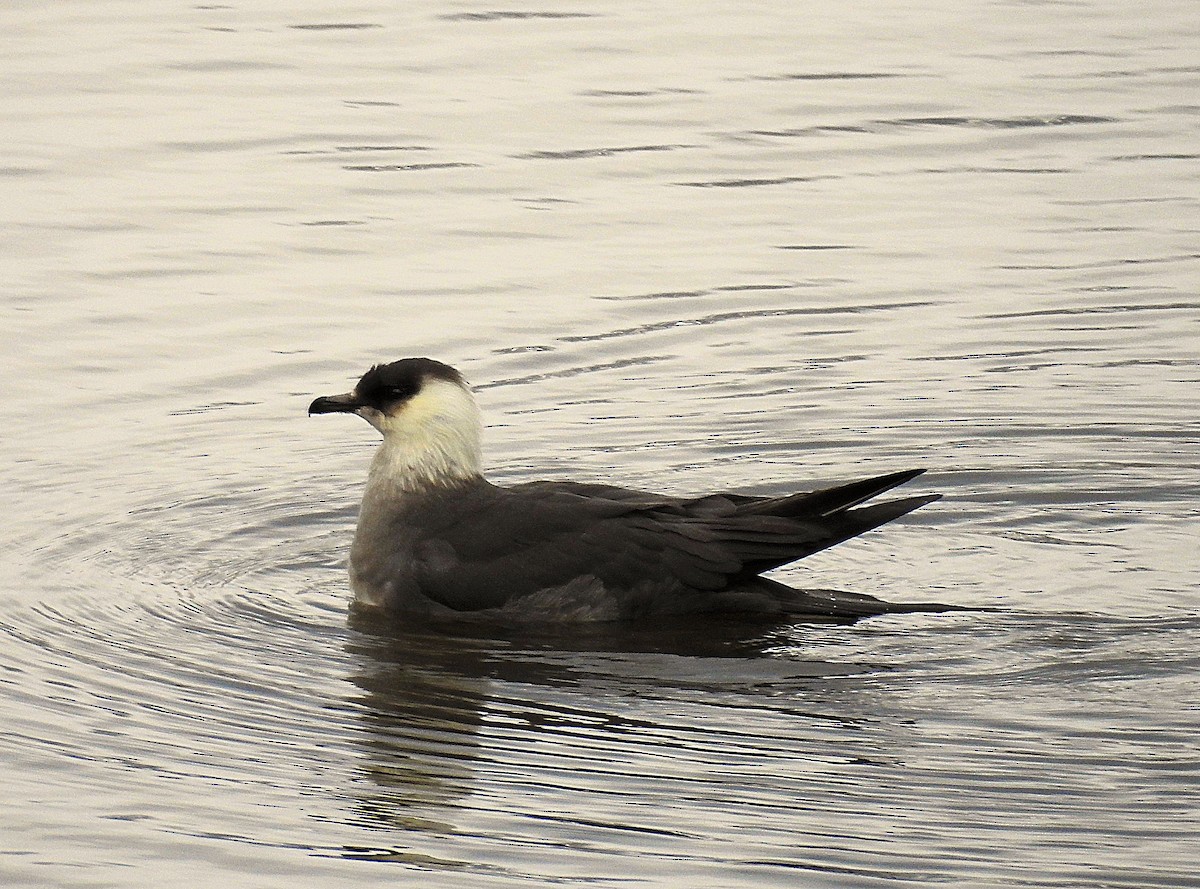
(434, 439)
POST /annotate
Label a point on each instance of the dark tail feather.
(833, 511)
(842, 526)
(826, 502)
(855, 521)
(839, 605)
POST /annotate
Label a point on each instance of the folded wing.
(500, 544)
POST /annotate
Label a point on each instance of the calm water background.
(679, 246)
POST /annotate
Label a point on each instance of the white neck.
(433, 440)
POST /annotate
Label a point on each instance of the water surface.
(680, 248)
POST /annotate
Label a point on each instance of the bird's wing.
(827, 501)
(710, 504)
(837, 511)
(518, 541)
(501, 544)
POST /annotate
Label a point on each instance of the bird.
(435, 538)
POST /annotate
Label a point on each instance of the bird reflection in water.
(449, 708)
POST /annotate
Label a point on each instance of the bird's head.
(425, 412)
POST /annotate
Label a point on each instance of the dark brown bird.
(435, 537)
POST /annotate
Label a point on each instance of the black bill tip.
(335, 404)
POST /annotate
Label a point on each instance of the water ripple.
(725, 317)
(963, 264)
(585, 153)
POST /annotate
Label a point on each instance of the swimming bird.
(435, 537)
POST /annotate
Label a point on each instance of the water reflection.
(423, 698)
(553, 735)
(442, 703)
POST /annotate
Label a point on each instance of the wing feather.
(500, 544)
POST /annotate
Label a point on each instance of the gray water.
(685, 247)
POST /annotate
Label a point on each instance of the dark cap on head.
(403, 378)
(387, 384)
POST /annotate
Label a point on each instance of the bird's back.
(565, 549)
